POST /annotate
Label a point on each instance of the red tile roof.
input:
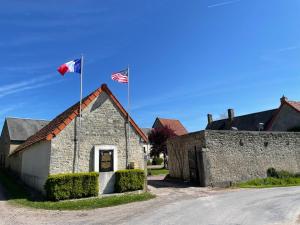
(61, 121)
(175, 125)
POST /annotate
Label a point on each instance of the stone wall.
(231, 156)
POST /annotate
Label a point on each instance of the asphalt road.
(176, 205)
(244, 207)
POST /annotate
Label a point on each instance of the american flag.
(121, 76)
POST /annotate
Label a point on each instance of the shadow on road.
(163, 182)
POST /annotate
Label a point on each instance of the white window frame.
(97, 149)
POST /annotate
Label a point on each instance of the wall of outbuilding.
(35, 164)
(232, 156)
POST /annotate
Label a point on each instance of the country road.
(176, 205)
(280, 206)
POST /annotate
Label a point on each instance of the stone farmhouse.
(106, 143)
(238, 148)
(173, 124)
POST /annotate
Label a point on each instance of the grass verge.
(270, 182)
(158, 171)
(18, 195)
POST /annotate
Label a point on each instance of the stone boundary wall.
(232, 156)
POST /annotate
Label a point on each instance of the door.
(193, 166)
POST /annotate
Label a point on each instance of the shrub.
(72, 185)
(271, 172)
(157, 161)
(129, 180)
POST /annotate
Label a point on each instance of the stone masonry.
(232, 156)
(102, 124)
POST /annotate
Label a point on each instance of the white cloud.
(223, 3)
(27, 85)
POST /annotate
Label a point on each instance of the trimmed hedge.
(72, 185)
(129, 180)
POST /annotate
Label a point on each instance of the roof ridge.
(11, 117)
(247, 114)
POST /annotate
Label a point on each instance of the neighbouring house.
(284, 118)
(15, 131)
(105, 143)
(238, 148)
(173, 124)
(147, 147)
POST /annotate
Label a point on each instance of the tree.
(158, 138)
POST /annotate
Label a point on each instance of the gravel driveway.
(178, 204)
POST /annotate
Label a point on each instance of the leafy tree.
(158, 138)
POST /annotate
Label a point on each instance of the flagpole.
(128, 97)
(80, 102)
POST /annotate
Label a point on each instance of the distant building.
(15, 131)
(284, 118)
(238, 148)
(173, 124)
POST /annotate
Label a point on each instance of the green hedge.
(72, 185)
(129, 180)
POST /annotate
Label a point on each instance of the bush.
(129, 180)
(149, 162)
(157, 161)
(72, 185)
(271, 172)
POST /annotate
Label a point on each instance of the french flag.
(72, 66)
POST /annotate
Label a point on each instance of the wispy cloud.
(280, 55)
(26, 85)
(223, 3)
(289, 48)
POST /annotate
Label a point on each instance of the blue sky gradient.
(187, 58)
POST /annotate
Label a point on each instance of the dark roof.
(59, 123)
(247, 122)
(146, 130)
(173, 124)
(20, 129)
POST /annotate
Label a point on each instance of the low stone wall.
(232, 156)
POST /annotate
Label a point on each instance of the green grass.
(18, 195)
(270, 182)
(158, 171)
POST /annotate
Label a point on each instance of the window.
(106, 162)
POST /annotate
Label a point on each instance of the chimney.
(209, 118)
(283, 99)
(230, 114)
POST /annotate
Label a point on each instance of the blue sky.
(187, 58)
